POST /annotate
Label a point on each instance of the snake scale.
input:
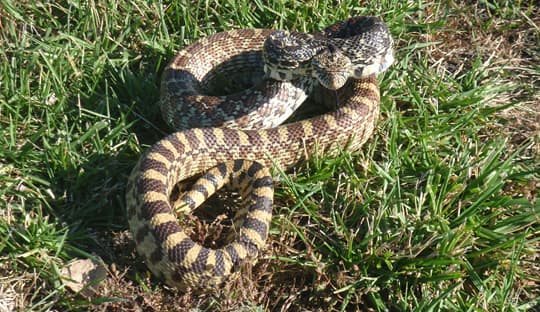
(237, 156)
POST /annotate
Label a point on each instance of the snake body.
(240, 156)
(189, 75)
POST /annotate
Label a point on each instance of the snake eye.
(359, 72)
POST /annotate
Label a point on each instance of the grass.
(439, 211)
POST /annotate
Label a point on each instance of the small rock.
(84, 275)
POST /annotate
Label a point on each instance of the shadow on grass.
(115, 121)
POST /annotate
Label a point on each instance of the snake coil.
(236, 156)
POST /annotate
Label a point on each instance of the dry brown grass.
(508, 48)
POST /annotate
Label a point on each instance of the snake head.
(365, 40)
(287, 55)
(332, 68)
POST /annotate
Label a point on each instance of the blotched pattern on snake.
(238, 156)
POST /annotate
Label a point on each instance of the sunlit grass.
(437, 212)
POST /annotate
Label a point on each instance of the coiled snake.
(239, 157)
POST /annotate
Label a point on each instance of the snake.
(239, 152)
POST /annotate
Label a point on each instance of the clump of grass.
(439, 210)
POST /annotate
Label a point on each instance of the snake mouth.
(333, 81)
